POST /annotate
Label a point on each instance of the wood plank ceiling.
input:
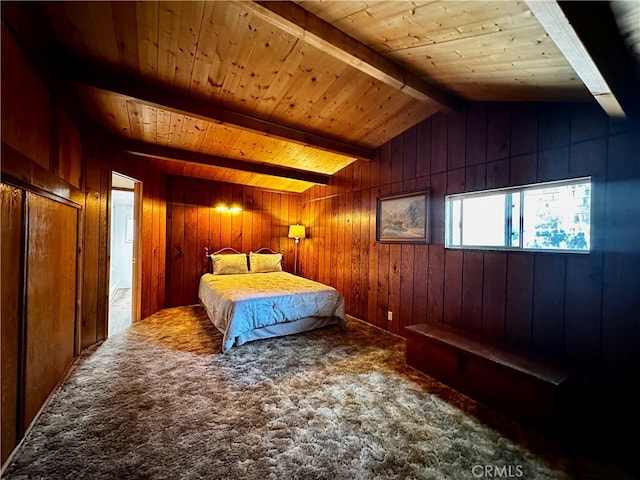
(282, 95)
(486, 51)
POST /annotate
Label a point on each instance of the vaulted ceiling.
(284, 94)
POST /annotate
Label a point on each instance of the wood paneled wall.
(101, 160)
(40, 219)
(154, 227)
(55, 217)
(581, 307)
(27, 128)
(193, 224)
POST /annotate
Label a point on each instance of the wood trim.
(320, 198)
(21, 172)
(171, 101)
(79, 282)
(302, 24)
(174, 154)
(138, 251)
(22, 319)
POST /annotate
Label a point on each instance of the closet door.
(50, 298)
(11, 208)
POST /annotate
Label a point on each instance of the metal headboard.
(225, 250)
(265, 250)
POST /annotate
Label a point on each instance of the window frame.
(508, 217)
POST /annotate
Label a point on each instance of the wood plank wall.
(56, 212)
(28, 128)
(101, 160)
(581, 307)
(193, 224)
(40, 218)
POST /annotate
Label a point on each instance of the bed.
(249, 297)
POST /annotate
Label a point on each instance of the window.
(554, 216)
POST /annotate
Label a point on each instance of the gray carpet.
(159, 401)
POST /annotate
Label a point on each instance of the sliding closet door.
(50, 298)
(11, 206)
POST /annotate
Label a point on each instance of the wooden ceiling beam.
(173, 154)
(587, 35)
(172, 101)
(596, 26)
(300, 23)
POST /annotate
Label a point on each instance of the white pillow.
(265, 262)
(231, 264)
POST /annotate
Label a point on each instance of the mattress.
(240, 304)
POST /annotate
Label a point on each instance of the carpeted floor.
(120, 311)
(159, 401)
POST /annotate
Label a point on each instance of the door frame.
(136, 292)
(136, 280)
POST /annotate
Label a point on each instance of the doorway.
(124, 244)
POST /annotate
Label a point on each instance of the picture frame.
(403, 218)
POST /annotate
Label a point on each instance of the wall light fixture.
(222, 207)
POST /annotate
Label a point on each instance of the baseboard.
(351, 317)
(112, 293)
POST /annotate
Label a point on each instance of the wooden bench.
(522, 385)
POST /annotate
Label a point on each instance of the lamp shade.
(296, 231)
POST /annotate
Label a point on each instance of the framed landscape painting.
(403, 218)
